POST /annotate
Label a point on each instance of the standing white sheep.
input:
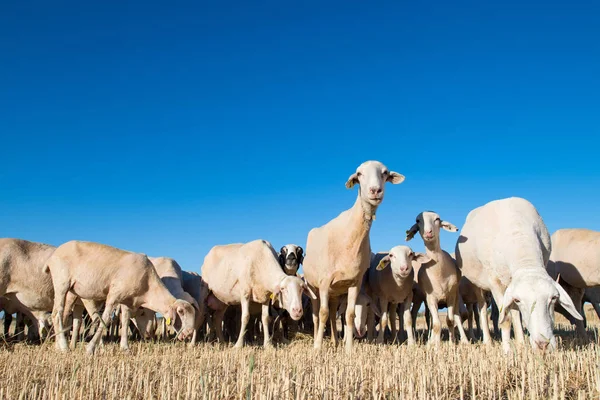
(338, 253)
(392, 286)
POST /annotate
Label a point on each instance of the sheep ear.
(395, 178)
(565, 301)
(421, 258)
(383, 263)
(412, 232)
(449, 227)
(507, 303)
(353, 180)
(300, 253)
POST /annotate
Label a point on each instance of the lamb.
(93, 271)
(504, 247)
(393, 286)
(439, 278)
(241, 273)
(338, 253)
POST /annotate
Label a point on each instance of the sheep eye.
(385, 173)
(554, 298)
(517, 301)
(359, 174)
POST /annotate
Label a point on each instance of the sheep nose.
(542, 344)
(297, 310)
(375, 190)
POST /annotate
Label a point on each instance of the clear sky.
(169, 127)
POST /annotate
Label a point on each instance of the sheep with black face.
(290, 258)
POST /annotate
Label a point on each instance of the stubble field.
(210, 371)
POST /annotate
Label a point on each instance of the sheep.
(439, 278)
(338, 253)
(241, 273)
(193, 284)
(363, 309)
(290, 257)
(22, 280)
(93, 271)
(575, 258)
(393, 286)
(504, 247)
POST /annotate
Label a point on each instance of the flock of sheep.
(504, 255)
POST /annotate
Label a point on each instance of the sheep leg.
(60, 297)
(323, 317)
(350, 315)
(7, 321)
(483, 318)
(477, 322)
(505, 326)
(435, 334)
(104, 322)
(414, 313)
(517, 326)
(265, 325)
(458, 323)
(125, 317)
(77, 317)
(408, 320)
(333, 306)
(384, 320)
(450, 321)
(470, 321)
(218, 324)
(315, 308)
(370, 325)
(392, 321)
(245, 303)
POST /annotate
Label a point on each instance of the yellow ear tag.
(168, 321)
(272, 296)
(373, 217)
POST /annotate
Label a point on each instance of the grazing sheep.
(338, 253)
(504, 247)
(244, 273)
(393, 286)
(93, 271)
(194, 285)
(439, 278)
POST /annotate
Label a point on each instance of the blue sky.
(167, 128)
